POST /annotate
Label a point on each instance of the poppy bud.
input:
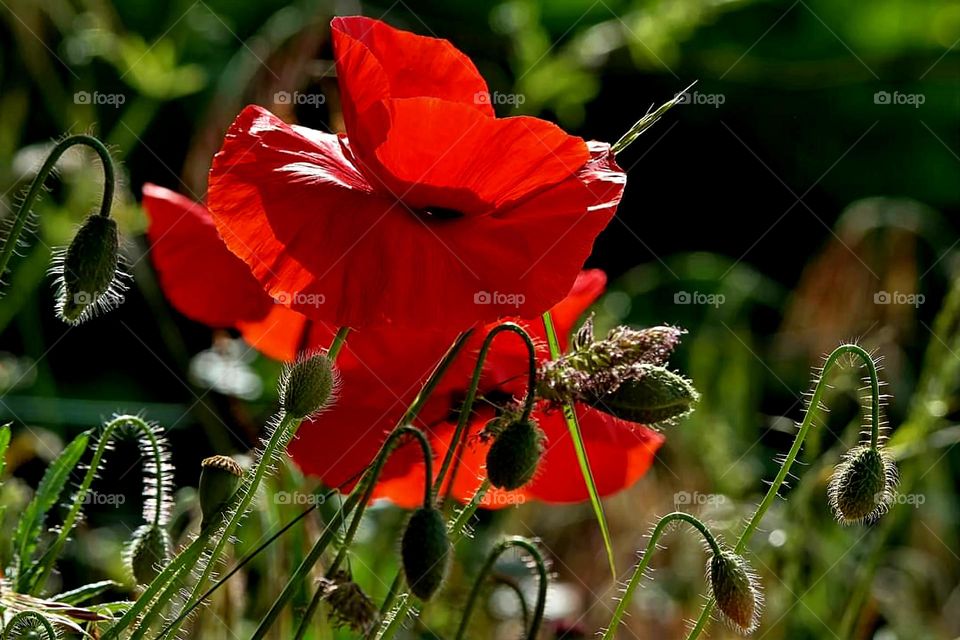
(513, 457)
(307, 386)
(654, 395)
(147, 552)
(89, 271)
(735, 589)
(861, 487)
(349, 605)
(425, 551)
(219, 479)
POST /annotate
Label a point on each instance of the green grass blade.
(573, 425)
(4, 443)
(30, 526)
(90, 591)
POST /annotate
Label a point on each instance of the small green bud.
(861, 487)
(89, 271)
(736, 591)
(308, 386)
(219, 479)
(513, 457)
(148, 551)
(425, 551)
(655, 395)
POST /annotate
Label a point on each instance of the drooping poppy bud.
(655, 394)
(862, 486)
(148, 551)
(513, 457)
(425, 551)
(349, 605)
(88, 272)
(736, 591)
(308, 386)
(219, 479)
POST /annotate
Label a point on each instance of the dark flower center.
(439, 213)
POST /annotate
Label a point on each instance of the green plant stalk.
(459, 439)
(49, 633)
(772, 492)
(573, 426)
(498, 550)
(243, 498)
(38, 573)
(644, 123)
(320, 546)
(644, 563)
(370, 484)
(23, 212)
(458, 529)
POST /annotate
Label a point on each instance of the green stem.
(459, 439)
(644, 563)
(23, 212)
(498, 550)
(39, 572)
(49, 633)
(573, 426)
(751, 528)
(370, 484)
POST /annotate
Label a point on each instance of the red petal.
(619, 452)
(301, 216)
(202, 279)
(376, 62)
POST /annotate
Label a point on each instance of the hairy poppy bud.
(861, 487)
(349, 605)
(735, 589)
(219, 479)
(654, 395)
(307, 386)
(147, 552)
(513, 457)
(89, 271)
(425, 551)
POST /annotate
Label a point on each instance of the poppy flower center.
(439, 213)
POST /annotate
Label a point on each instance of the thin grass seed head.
(89, 272)
(425, 551)
(654, 395)
(862, 486)
(219, 479)
(736, 589)
(514, 456)
(349, 605)
(308, 386)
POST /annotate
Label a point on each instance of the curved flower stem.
(370, 484)
(237, 509)
(49, 633)
(459, 439)
(320, 546)
(498, 550)
(39, 572)
(23, 213)
(573, 426)
(458, 529)
(641, 568)
(751, 528)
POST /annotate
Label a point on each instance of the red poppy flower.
(341, 440)
(428, 208)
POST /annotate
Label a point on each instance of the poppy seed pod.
(735, 589)
(89, 270)
(219, 479)
(655, 395)
(308, 386)
(425, 551)
(861, 487)
(147, 552)
(513, 457)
